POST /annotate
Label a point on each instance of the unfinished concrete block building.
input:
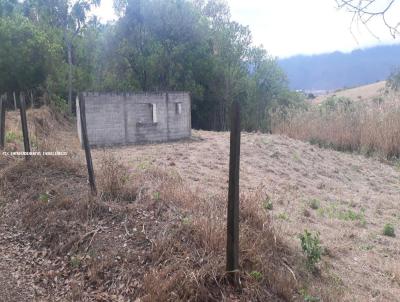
(123, 119)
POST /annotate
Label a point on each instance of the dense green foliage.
(23, 54)
(155, 45)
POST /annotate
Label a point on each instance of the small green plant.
(283, 216)
(296, 157)
(256, 275)
(144, 165)
(186, 221)
(347, 215)
(366, 247)
(268, 205)
(314, 204)
(75, 261)
(311, 247)
(12, 137)
(388, 230)
(157, 195)
(307, 297)
(44, 197)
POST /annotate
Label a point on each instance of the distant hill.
(360, 93)
(338, 70)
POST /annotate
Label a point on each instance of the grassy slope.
(365, 92)
(355, 197)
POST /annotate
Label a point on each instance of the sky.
(290, 27)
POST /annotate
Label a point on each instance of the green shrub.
(157, 195)
(12, 137)
(283, 216)
(186, 221)
(334, 102)
(268, 205)
(44, 197)
(75, 261)
(59, 103)
(311, 247)
(256, 275)
(347, 215)
(307, 297)
(314, 204)
(388, 230)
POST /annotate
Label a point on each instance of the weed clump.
(12, 137)
(307, 297)
(113, 179)
(256, 275)
(268, 205)
(314, 204)
(388, 230)
(311, 247)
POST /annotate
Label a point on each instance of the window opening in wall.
(154, 112)
(178, 108)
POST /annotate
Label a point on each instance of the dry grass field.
(362, 93)
(355, 197)
(156, 232)
(368, 125)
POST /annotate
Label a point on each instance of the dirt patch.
(15, 284)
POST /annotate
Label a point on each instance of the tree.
(189, 45)
(267, 83)
(156, 45)
(74, 21)
(393, 82)
(365, 11)
(67, 17)
(24, 52)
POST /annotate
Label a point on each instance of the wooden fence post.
(24, 124)
(232, 247)
(15, 101)
(86, 145)
(2, 121)
(32, 102)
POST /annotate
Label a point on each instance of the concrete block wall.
(121, 119)
(178, 123)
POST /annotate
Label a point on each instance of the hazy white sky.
(289, 27)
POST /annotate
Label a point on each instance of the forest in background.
(56, 48)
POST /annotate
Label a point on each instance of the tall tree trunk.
(69, 49)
